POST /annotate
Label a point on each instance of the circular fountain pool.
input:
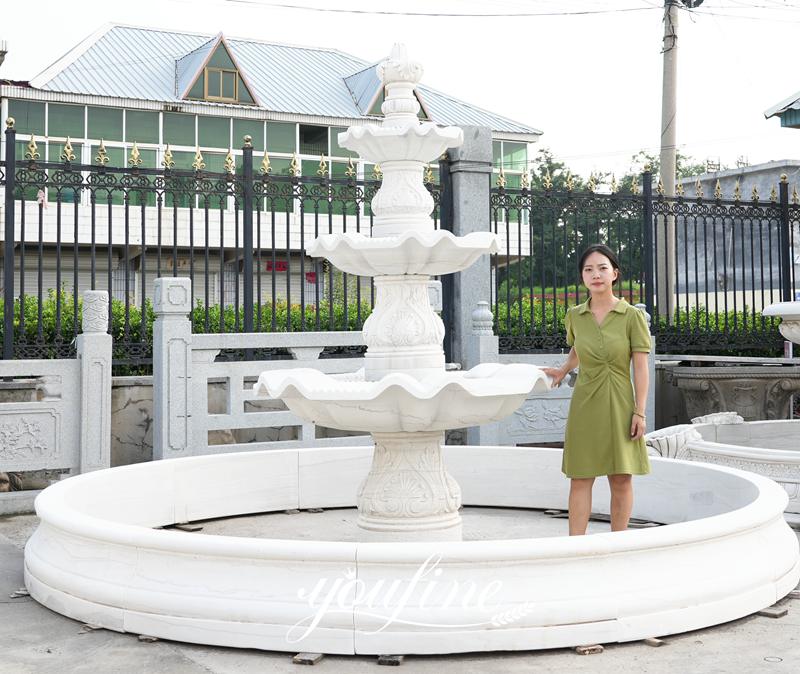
(100, 556)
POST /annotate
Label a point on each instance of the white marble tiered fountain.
(403, 395)
(102, 555)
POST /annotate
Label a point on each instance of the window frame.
(220, 71)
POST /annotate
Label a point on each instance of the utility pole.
(665, 236)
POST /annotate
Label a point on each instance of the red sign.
(280, 265)
(311, 277)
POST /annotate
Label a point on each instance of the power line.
(374, 12)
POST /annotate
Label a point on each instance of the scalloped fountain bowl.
(419, 142)
(429, 253)
(400, 403)
(100, 557)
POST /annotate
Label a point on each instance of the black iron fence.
(239, 235)
(704, 268)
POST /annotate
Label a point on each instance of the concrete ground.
(36, 640)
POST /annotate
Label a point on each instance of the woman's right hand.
(556, 374)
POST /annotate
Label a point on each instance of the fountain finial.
(400, 76)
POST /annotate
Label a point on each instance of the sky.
(587, 73)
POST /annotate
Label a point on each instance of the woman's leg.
(621, 500)
(580, 504)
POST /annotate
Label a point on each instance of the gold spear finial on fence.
(168, 162)
(9, 122)
(660, 187)
(525, 180)
(351, 169)
(427, 177)
(614, 186)
(570, 182)
(322, 171)
(265, 169)
(698, 189)
(33, 151)
(136, 160)
(294, 165)
(773, 194)
(102, 154)
(754, 195)
(737, 191)
(230, 163)
(718, 190)
(198, 164)
(68, 155)
(784, 178)
(547, 180)
(501, 178)
(377, 174)
(634, 186)
(679, 189)
(592, 184)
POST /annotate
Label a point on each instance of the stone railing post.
(471, 174)
(94, 353)
(482, 347)
(172, 362)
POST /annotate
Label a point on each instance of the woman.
(606, 422)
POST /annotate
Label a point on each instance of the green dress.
(597, 440)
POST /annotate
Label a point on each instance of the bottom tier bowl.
(100, 556)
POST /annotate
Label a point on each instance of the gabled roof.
(187, 67)
(140, 63)
(362, 86)
(791, 103)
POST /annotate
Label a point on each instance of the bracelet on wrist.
(635, 413)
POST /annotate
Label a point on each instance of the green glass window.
(179, 191)
(221, 59)
(105, 123)
(146, 197)
(30, 192)
(197, 90)
(515, 156)
(116, 159)
(336, 149)
(141, 126)
(280, 137)
(497, 153)
(28, 116)
(248, 127)
(214, 131)
(65, 120)
(244, 94)
(280, 204)
(179, 129)
(313, 140)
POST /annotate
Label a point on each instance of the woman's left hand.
(638, 428)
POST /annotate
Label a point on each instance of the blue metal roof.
(186, 68)
(150, 64)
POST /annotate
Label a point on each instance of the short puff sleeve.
(568, 326)
(638, 332)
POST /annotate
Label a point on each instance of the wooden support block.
(773, 612)
(291, 511)
(655, 643)
(391, 660)
(589, 649)
(21, 592)
(187, 526)
(147, 638)
(307, 658)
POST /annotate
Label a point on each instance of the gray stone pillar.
(172, 361)
(94, 354)
(471, 172)
(481, 347)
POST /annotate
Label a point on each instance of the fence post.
(786, 259)
(247, 231)
(172, 362)
(470, 179)
(8, 243)
(94, 353)
(647, 235)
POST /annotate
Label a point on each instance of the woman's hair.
(603, 250)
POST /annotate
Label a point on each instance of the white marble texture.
(789, 312)
(97, 557)
(399, 402)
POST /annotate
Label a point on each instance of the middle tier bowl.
(431, 253)
(400, 403)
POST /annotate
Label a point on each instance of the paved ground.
(34, 639)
